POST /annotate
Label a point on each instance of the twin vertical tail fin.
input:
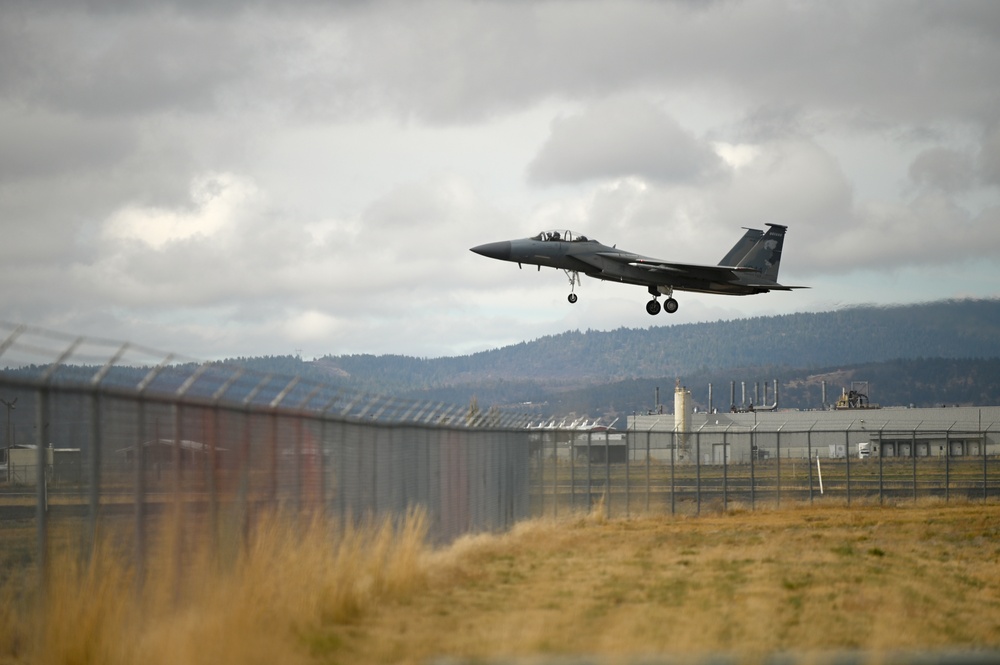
(758, 250)
(741, 248)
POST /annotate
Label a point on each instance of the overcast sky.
(223, 179)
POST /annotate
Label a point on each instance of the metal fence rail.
(671, 472)
(97, 432)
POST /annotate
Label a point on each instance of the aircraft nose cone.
(494, 250)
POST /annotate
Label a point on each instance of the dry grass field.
(922, 576)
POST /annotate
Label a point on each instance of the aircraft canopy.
(562, 236)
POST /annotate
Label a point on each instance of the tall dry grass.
(278, 598)
(809, 580)
(804, 579)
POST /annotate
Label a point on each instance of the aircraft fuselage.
(749, 268)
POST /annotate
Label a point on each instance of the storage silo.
(682, 409)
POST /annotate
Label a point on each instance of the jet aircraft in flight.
(750, 267)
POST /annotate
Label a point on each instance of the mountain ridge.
(924, 354)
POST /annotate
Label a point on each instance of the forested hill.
(941, 352)
(947, 329)
(937, 353)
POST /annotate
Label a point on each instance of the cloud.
(944, 169)
(216, 198)
(233, 247)
(243, 178)
(622, 138)
(988, 159)
(44, 144)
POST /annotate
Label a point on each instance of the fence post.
(607, 475)
(140, 477)
(753, 462)
(947, 466)
(572, 474)
(673, 460)
(777, 444)
(41, 489)
(628, 440)
(41, 475)
(809, 457)
(210, 478)
(177, 517)
(590, 496)
(847, 456)
(541, 473)
(880, 472)
(272, 453)
(725, 469)
(139, 460)
(299, 449)
(96, 440)
(321, 452)
(982, 446)
(647, 466)
(697, 472)
(94, 491)
(555, 473)
(374, 447)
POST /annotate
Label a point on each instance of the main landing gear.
(653, 306)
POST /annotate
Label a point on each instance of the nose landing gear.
(574, 279)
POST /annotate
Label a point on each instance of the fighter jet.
(750, 267)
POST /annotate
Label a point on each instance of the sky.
(223, 179)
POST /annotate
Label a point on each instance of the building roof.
(957, 419)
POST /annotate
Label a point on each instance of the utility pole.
(10, 406)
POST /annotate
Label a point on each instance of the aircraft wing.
(658, 268)
(693, 271)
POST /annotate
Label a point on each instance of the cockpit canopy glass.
(562, 236)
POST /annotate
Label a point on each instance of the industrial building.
(861, 432)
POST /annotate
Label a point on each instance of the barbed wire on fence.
(34, 357)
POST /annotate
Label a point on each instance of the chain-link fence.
(653, 471)
(97, 433)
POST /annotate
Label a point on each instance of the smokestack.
(824, 393)
(682, 407)
(710, 398)
(743, 393)
(775, 393)
(732, 394)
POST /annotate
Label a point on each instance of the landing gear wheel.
(653, 307)
(572, 298)
(670, 305)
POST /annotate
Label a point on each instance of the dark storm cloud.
(622, 138)
(945, 169)
(341, 136)
(120, 64)
(446, 61)
(988, 160)
(866, 62)
(44, 145)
